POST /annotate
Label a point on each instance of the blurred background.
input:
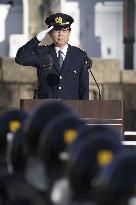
(105, 29)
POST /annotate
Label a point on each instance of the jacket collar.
(67, 61)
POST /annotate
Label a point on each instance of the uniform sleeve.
(84, 82)
(27, 54)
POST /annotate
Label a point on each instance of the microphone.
(89, 64)
(47, 62)
(88, 61)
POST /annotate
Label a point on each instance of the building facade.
(98, 26)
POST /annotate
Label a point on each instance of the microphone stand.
(89, 67)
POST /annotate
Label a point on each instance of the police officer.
(10, 120)
(61, 68)
(116, 182)
(53, 150)
(87, 158)
(54, 143)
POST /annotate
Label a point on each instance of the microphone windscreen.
(88, 61)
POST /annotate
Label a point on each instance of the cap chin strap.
(66, 23)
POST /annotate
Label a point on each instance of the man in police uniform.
(61, 68)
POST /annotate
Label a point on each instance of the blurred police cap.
(116, 183)
(59, 20)
(56, 138)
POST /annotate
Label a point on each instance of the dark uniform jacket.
(71, 82)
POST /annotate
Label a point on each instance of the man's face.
(60, 37)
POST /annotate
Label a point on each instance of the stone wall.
(16, 82)
(115, 84)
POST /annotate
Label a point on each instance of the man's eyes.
(65, 30)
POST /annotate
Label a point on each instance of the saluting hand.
(40, 36)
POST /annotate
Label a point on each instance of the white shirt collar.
(64, 50)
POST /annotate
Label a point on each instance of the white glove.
(40, 36)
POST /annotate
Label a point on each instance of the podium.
(106, 112)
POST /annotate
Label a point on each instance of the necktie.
(60, 58)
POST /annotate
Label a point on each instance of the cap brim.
(58, 26)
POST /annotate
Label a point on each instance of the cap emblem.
(104, 157)
(14, 125)
(69, 135)
(58, 20)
